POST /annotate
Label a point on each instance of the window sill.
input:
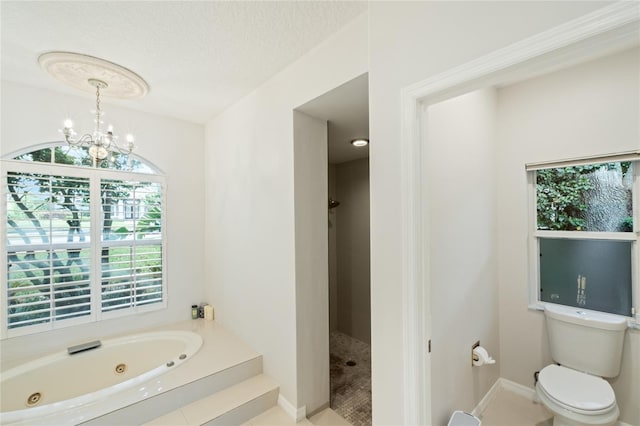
(633, 324)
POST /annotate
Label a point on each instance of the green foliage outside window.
(568, 197)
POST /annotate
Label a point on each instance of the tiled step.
(231, 406)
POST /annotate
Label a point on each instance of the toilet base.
(559, 420)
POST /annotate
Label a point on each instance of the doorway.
(346, 112)
(601, 32)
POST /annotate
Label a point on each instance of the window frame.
(95, 176)
(534, 235)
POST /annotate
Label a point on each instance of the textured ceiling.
(198, 57)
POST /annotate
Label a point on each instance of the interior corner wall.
(353, 289)
(312, 251)
(249, 204)
(175, 146)
(460, 144)
(588, 109)
(408, 43)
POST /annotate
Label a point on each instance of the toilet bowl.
(576, 398)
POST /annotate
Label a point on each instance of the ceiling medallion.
(77, 70)
(91, 74)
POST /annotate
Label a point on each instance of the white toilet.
(588, 346)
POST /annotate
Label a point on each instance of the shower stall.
(349, 291)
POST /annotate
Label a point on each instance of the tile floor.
(506, 409)
(328, 417)
(350, 384)
(511, 409)
(277, 417)
(274, 416)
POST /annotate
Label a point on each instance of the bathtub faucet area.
(72, 350)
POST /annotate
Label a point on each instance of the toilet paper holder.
(480, 356)
(473, 356)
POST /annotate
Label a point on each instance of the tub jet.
(33, 399)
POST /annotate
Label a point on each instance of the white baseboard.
(318, 410)
(487, 398)
(518, 389)
(514, 387)
(295, 413)
(507, 385)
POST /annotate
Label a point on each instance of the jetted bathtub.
(62, 382)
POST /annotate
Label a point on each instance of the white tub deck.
(211, 368)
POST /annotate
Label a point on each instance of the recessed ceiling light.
(360, 142)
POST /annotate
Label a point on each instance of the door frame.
(590, 36)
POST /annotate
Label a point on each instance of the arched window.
(82, 243)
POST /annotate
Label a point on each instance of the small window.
(81, 243)
(131, 209)
(584, 237)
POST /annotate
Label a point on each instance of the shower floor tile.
(350, 384)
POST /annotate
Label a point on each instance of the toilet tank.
(586, 341)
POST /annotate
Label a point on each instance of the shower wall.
(350, 227)
(333, 266)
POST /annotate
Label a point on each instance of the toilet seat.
(576, 391)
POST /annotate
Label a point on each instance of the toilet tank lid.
(585, 317)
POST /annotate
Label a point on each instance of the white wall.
(333, 261)
(312, 258)
(590, 109)
(460, 143)
(352, 249)
(409, 42)
(250, 222)
(32, 116)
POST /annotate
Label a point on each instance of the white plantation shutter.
(131, 257)
(48, 253)
(82, 244)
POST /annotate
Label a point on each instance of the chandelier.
(91, 74)
(101, 144)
